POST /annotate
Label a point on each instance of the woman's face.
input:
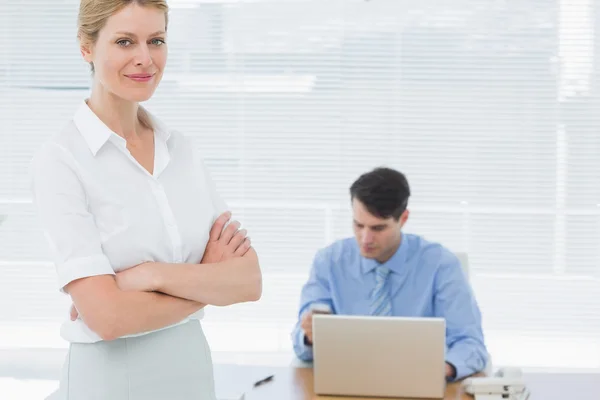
(130, 54)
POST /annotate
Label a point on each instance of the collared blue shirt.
(426, 280)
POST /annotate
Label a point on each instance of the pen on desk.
(267, 379)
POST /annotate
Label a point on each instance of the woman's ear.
(86, 51)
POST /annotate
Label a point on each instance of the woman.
(135, 225)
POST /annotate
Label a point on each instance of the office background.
(490, 107)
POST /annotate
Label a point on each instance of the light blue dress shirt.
(426, 280)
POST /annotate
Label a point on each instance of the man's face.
(377, 237)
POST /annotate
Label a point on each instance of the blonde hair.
(92, 17)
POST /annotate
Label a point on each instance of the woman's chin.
(139, 96)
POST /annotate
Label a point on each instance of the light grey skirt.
(171, 364)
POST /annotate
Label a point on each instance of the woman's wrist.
(157, 278)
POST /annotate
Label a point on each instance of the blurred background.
(490, 107)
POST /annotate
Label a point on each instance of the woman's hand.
(142, 278)
(225, 244)
(74, 313)
(222, 245)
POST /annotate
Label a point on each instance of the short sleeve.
(69, 227)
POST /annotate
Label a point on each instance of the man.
(383, 271)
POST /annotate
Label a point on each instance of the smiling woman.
(136, 227)
(128, 65)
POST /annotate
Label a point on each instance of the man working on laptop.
(385, 272)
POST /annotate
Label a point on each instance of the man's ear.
(404, 217)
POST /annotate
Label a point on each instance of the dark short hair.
(383, 191)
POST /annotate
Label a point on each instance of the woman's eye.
(124, 42)
(158, 42)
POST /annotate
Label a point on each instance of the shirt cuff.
(302, 350)
(82, 267)
(461, 368)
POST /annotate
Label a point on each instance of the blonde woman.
(135, 225)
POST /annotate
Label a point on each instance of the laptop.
(379, 356)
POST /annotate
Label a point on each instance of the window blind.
(489, 107)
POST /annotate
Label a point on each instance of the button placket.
(169, 220)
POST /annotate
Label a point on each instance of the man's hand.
(450, 371)
(225, 244)
(306, 325)
(307, 318)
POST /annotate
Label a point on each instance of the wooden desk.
(293, 383)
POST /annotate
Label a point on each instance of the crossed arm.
(154, 295)
(145, 297)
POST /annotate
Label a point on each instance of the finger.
(309, 325)
(304, 325)
(229, 232)
(307, 320)
(307, 332)
(309, 336)
(217, 228)
(307, 316)
(238, 238)
(243, 248)
(74, 313)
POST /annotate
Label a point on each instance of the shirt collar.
(96, 133)
(93, 130)
(396, 263)
(160, 129)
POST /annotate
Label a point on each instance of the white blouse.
(102, 212)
